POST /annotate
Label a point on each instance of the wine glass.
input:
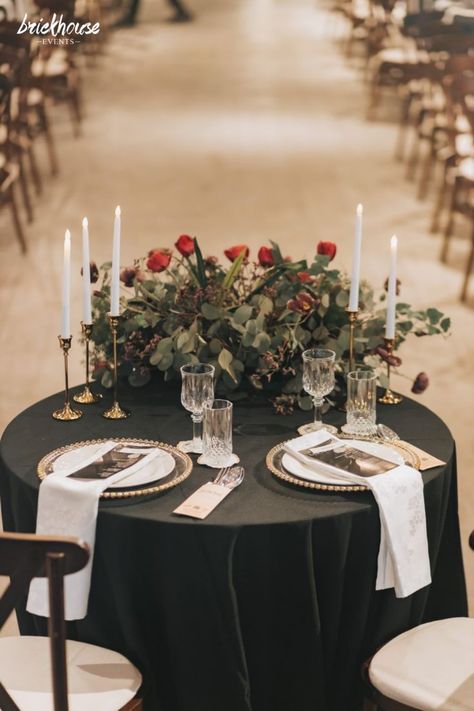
(318, 381)
(197, 390)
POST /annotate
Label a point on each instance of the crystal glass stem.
(197, 432)
(318, 412)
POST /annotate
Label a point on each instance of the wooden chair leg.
(413, 157)
(403, 127)
(25, 192)
(441, 199)
(16, 219)
(469, 265)
(450, 223)
(35, 174)
(44, 120)
(374, 97)
(426, 170)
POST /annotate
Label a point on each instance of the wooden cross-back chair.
(30, 115)
(428, 668)
(9, 170)
(81, 675)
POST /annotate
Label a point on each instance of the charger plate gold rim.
(277, 469)
(48, 459)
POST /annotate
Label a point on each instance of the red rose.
(233, 252)
(185, 245)
(158, 260)
(304, 277)
(328, 249)
(420, 383)
(265, 257)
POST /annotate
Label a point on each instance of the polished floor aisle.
(244, 126)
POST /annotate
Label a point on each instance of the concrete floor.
(244, 126)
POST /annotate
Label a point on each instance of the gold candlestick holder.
(86, 396)
(66, 413)
(353, 316)
(389, 397)
(115, 412)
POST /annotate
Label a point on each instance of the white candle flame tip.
(360, 209)
(394, 240)
(85, 222)
(67, 235)
(118, 211)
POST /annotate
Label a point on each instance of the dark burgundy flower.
(389, 358)
(94, 272)
(233, 252)
(303, 303)
(399, 283)
(127, 276)
(211, 261)
(185, 245)
(420, 383)
(328, 249)
(265, 257)
(158, 260)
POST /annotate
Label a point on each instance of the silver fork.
(221, 474)
(233, 477)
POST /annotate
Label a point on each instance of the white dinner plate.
(293, 466)
(158, 468)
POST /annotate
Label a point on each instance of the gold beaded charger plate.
(178, 467)
(275, 465)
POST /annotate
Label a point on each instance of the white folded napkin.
(403, 560)
(69, 507)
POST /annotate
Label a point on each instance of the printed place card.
(203, 501)
(427, 461)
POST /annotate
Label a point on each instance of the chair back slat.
(24, 556)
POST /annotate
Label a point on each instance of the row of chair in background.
(37, 75)
(427, 61)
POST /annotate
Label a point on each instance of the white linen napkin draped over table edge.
(403, 560)
(68, 507)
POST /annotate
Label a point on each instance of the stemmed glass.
(318, 381)
(197, 390)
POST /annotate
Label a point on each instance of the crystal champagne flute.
(197, 390)
(318, 381)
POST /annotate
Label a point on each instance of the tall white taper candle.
(65, 313)
(355, 278)
(115, 287)
(392, 290)
(86, 274)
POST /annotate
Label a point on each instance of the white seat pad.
(97, 678)
(430, 667)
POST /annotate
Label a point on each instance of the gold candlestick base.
(116, 412)
(86, 396)
(389, 397)
(66, 413)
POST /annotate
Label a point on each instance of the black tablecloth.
(267, 605)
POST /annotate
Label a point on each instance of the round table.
(269, 604)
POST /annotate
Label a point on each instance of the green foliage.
(244, 321)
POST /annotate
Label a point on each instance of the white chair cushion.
(97, 678)
(429, 667)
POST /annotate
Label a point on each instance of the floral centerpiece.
(251, 319)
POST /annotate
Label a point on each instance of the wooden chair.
(10, 173)
(428, 668)
(42, 672)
